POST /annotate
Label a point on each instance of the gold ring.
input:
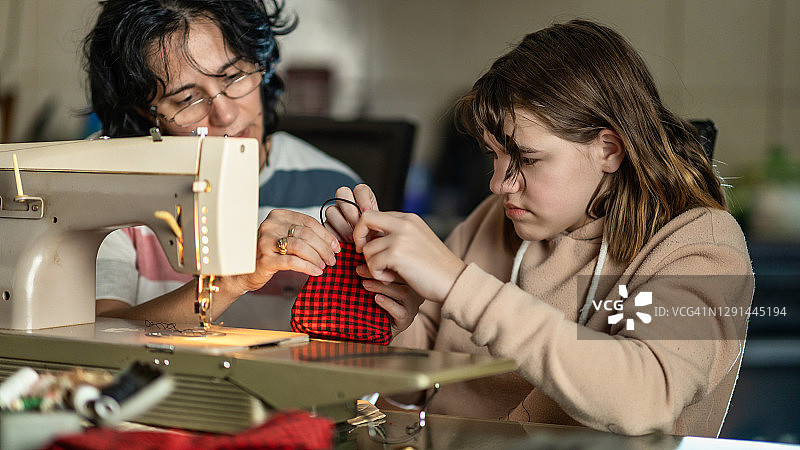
(282, 243)
(291, 230)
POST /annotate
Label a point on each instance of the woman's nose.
(223, 111)
(499, 184)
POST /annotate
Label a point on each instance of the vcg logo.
(641, 299)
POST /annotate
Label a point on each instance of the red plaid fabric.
(284, 431)
(336, 306)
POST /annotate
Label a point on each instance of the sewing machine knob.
(201, 186)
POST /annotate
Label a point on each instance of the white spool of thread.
(82, 399)
(17, 385)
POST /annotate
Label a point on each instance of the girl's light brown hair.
(577, 79)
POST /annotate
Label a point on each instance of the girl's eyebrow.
(221, 70)
(526, 149)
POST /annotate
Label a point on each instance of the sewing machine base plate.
(230, 388)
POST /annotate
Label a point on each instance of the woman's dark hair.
(577, 79)
(117, 51)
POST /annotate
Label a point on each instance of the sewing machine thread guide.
(35, 205)
(17, 178)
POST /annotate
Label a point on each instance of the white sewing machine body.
(76, 192)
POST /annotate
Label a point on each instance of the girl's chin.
(530, 232)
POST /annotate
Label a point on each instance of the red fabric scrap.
(284, 431)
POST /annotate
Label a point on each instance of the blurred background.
(365, 65)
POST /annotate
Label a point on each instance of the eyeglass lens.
(198, 110)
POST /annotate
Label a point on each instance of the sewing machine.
(199, 196)
(58, 200)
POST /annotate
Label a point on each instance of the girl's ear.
(612, 150)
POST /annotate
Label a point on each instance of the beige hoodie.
(609, 378)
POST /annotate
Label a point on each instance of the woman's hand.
(309, 248)
(343, 216)
(401, 247)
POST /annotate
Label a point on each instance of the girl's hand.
(309, 248)
(401, 247)
(399, 300)
(343, 216)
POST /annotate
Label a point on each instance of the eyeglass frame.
(154, 108)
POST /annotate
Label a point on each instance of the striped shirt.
(132, 266)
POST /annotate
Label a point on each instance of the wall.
(41, 66)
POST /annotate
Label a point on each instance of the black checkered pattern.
(336, 306)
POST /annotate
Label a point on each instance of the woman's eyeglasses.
(199, 109)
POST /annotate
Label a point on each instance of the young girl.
(600, 194)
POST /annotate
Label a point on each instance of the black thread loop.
(334, 199)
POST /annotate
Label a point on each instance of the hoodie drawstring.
(598, 269)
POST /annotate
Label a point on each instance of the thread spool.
(17, 385)
(106, 408)
(136, 388)
(82, 399)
